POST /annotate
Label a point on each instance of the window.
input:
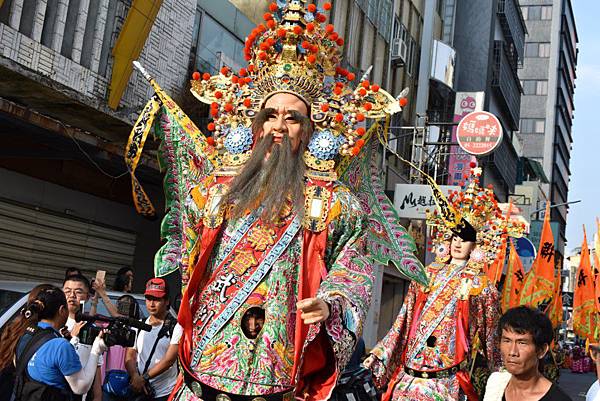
(532, 126)
(537, 49)
(546, 13)
(535, 87)
(541, 87)
(524, 11)
(217, 47)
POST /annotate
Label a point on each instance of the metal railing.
(506, 81)
(513, 25)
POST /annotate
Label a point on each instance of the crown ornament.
(293, 51)
(473, 213)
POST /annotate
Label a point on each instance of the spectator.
(47, 366)
(124, 280)
(155, 373)
(77, 289)
(8, 340)
(525, 337)
(72, 271)
(593, 394)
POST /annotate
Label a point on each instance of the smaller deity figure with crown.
(444, 339)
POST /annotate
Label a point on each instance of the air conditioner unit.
(399, 51)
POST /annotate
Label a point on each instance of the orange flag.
(539, 285)
(515, 278)
(555, 309)
(597, 265)
(584, 304)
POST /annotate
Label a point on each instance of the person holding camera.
(151, 363)
(77, 290)
(47, 366)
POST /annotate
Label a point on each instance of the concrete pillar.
(59, 26)
(38, 20)
(99, 35)
(15, 14)
(84, 5)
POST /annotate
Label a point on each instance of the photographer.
(151, 363)
(47, 366)
(77, 290)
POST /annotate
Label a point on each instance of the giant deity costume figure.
(270, 244)
(444, 339)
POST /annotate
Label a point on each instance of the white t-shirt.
(593, 393)
(162, 384)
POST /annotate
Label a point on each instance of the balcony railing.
(506, 81)
(506, 161)
(513, 25)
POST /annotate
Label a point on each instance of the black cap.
(465, 231)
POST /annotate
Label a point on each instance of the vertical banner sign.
(459, 160)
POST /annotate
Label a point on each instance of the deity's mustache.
(272, 176)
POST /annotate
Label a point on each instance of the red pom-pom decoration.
(329, 28)
(262, 56)
(247, 102)
(210, 140)
(339, 117)
(261, 28)
(362, 92)
(268, 16)
(305, 45)
(271, 24)
(403, 101)
(310, 27)
(234, 79)
(365, 84)
(251, 67)
(355, 151)
(211, 126)
(351, 76)
(264, 46)
(324, 108)
(368, 106)
(281, 32)
(225, 70)
(360, 117)
(311, 59)
(228, 107)
(375, 88)
(206, 76)
(314, 49)
(196, 76)
(472, 164)
(360, 143)
(340, 42)
(243, 72)
(327, 6)
(321, 18)
(312, 8)
(337, 90)
(273, 7)
(218, 94)
(360, 131)
(333, 36)
(298, 30)
(247, 57)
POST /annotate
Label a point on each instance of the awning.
(533, 170)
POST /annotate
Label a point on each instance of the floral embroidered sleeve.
(347, 286)
(485, 314)
(388, 352)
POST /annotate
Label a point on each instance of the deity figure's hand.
(314, 310)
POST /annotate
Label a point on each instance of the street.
(575, 384)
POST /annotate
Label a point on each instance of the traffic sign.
(479, 133)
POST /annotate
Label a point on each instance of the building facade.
(548, 79)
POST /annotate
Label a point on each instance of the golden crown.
(294, 51)
(479, 208)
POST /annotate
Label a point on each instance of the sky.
(585, 156)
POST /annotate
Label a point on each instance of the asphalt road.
(575, 384)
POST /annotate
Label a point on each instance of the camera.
(119, 330)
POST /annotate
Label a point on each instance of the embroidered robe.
(429, 336)
(231, 361)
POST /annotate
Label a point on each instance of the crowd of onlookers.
(46, 352)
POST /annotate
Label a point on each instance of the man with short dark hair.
(151, 362)
(525, 337)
